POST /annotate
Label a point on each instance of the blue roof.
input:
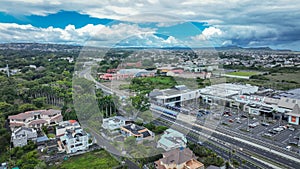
(41, 139)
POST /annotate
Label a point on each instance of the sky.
(153, 23)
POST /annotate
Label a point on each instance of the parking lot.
(267, 129)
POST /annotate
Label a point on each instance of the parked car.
(230, 120)
(244, 116)
(268, 134)
(292, 129)
(265, 124)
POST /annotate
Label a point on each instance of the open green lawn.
(243, 73)
(97, 159)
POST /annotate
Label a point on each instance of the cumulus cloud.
(100, 35)
(273, 21)
(208, 33)
(11, 32)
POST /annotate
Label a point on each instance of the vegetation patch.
(94, 159)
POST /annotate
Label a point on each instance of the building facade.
(35, 118)
(22, 135)
(172, 139)
(74, 139)
(182, 158)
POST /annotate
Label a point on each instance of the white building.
(294, 115)
(22, 135)
(175, 96)
(35, 118)
(74, 139)
(225, 91)
(66, 125)
(115, 122)
(172, 139)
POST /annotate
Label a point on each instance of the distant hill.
(63, 47)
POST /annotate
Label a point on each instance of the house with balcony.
(35, 119)
(74, 139)
(113, 123)
(182, 158)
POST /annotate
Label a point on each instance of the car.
(278, 129)
(265, 124)
(230, 120)
(238, 121)
(225, 115)
(268, 134)
(272, 131)
(237, 118)
(200, 143)
(244, 116)
(292, 129)
(288, 148)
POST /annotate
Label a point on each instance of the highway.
(249, 148)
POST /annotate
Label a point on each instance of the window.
(294, 101)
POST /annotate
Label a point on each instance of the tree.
(39, 102)
(26, 107)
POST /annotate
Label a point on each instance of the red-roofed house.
(35, 118)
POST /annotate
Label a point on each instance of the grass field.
(97, 159)
(285, 77)
(248, 74)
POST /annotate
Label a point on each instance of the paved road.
(228, 137)
(248, 147)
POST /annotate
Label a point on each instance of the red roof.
(72, 121)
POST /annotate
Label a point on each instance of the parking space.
(276, 132)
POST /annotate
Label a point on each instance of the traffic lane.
(251, 148)
(258, 151)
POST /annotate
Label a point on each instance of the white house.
(74, 139)
(115, 122)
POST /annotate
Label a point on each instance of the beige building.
(35, 118)
(182, 158)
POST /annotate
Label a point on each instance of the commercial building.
(294, 115)
(22, 135)
(223, 93)
(182, 158)
(175, 96)
(74, 139)
(139, 132)
(172, 139)
(35, 118)
(115, 122)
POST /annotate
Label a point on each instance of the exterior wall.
(294, 120)
(74, 145)
(108, 124)
(20, 141)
